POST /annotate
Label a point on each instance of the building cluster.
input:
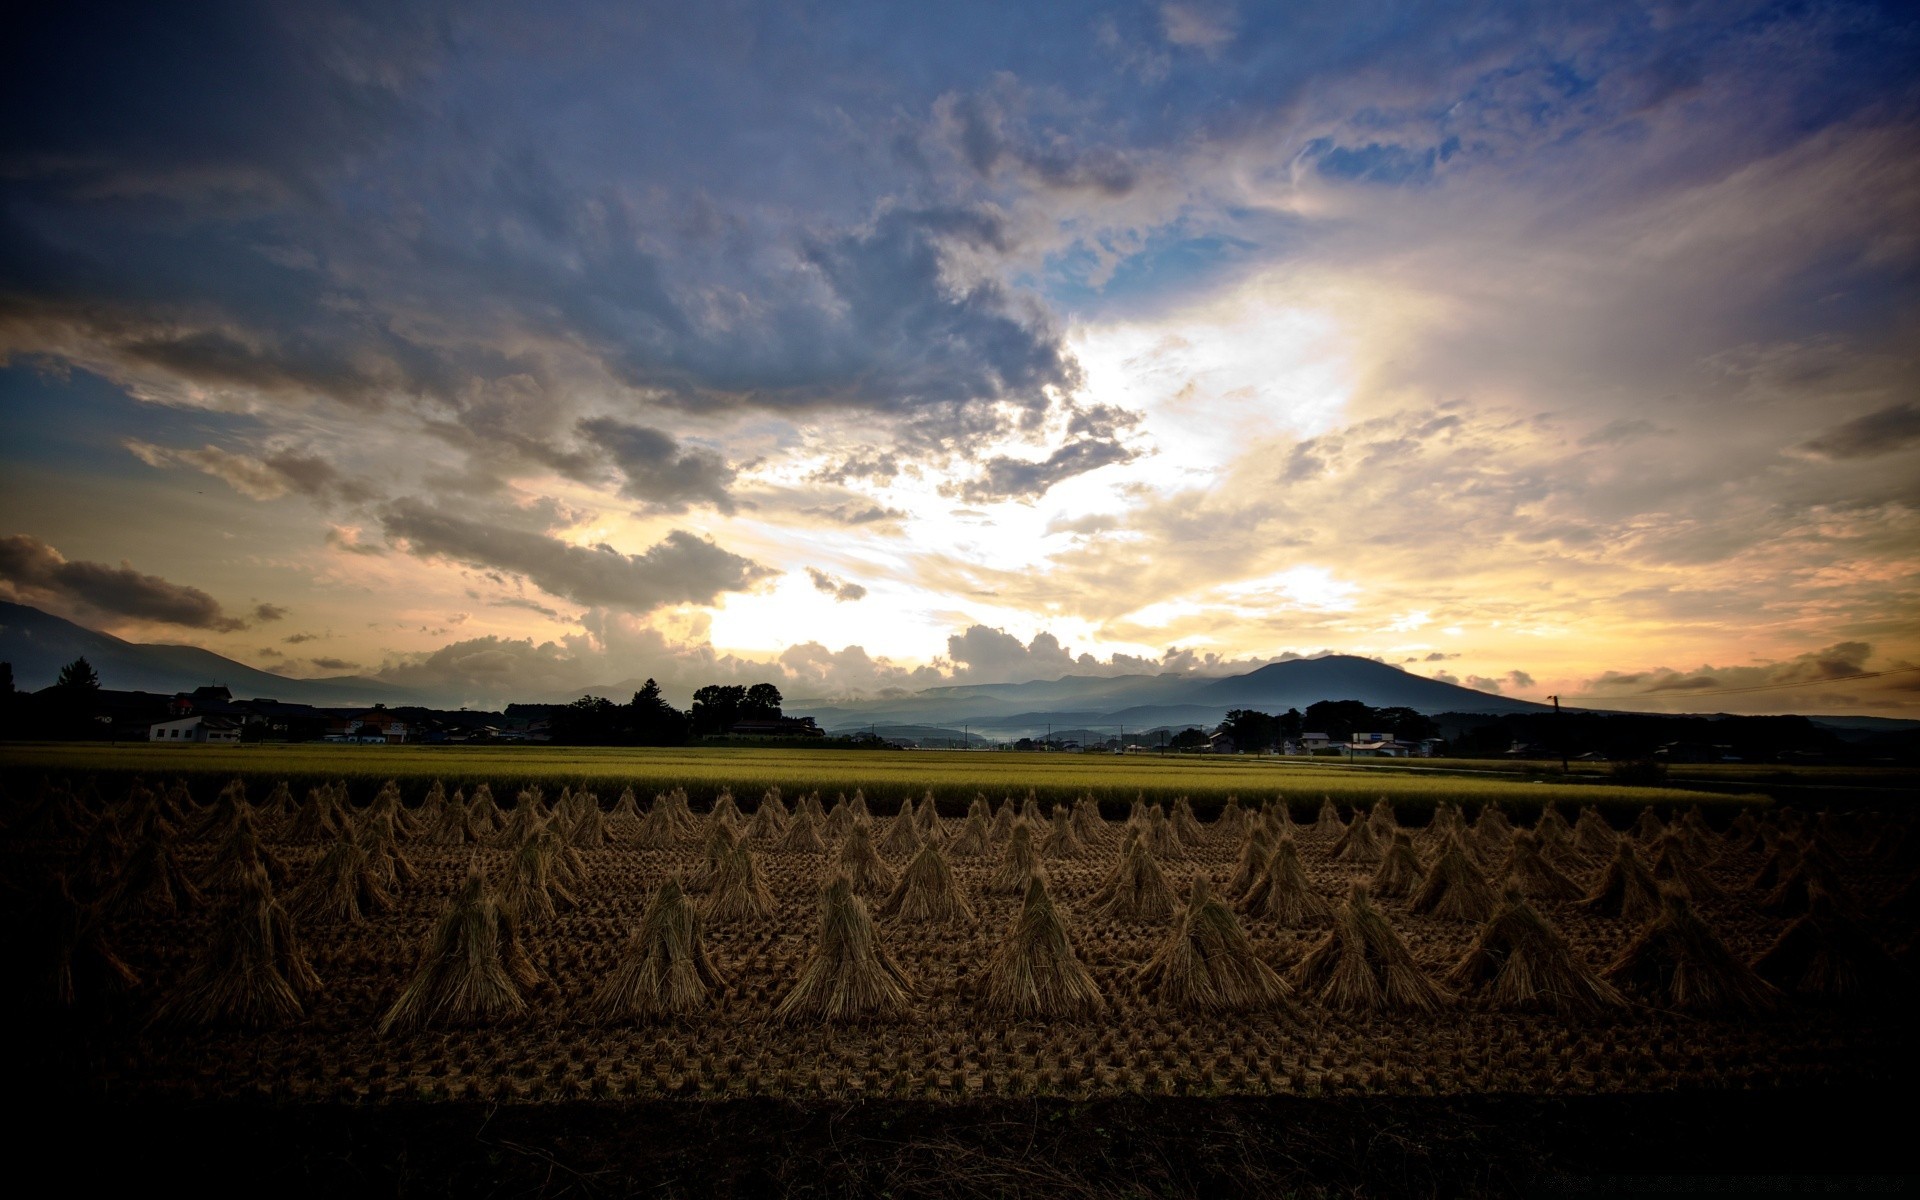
(211, 715)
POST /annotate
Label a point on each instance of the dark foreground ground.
(1726, 1143)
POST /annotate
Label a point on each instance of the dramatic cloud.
(682, 569)
(1886, 431)
(839, 589)
(659, 471)
(1837, 661)
(38, 572)
(1532, 341)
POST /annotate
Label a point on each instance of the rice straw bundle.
(1592, 836)
(483, 814)
(1017, 863)
(461, 975)
(862, 864)
(849, 976)
(1676, 960)
(1626, 888)
(1002, 825)
(1283, 892)
(1358, 844)
(664, 969)
(975, 837)
(1521, 961)
(1400, 870)
(238, 855)
(770, 819)
(1362, 964)
(1185, 827)
(251, 970)
(1538, 879)
(901, 838)
(152, 881)
(1648, 827)
(1454, 888)
(1256, 847)
(1674, 863)
(1232, 821)
(1206, 963)
(316, 820)
(740, 891)
(725, 810)
(1136, 889)
(840, 818)
(343, 887)
(1035, 973)
(926, 893)
(586, 825)
(803, 834)
(454, 825)
(1328, 822)
(1062, 840)
(533, 887)
(721, 839)
(1824, 955)
(1382, 820)
(527, 815)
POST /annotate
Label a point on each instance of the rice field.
(953, 777)
(462, 947)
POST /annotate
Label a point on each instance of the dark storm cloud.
(1882, 432)
(38, 571)
(658, 470)
(681, 569)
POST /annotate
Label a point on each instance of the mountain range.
(38, 644)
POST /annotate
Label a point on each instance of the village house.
(198, 729)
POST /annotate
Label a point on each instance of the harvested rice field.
(411, 949)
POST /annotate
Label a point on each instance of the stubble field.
(160, 1006)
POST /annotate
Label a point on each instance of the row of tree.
(1339, 719)
(648, 720)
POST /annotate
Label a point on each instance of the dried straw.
(927, 893)
(1521, 961)
(1363, 965)
(1678, 961)
(1017, 863)
(1400, 870)
(803, 834)
(1454, 888)
(1283, 892)
(1538, 878)
(1035, 973)
(1626, 889)
(849, 976)
(461, 975)
(1136, 889)
(251, 971)
(1824, 955)
(343, 887)
(664, 970)
(862, 864)
(901, 838)
(1063, 840)
(740, 892)
(1206, 963)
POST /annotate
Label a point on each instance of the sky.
(502, 351)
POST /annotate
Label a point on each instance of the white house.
(195, 729)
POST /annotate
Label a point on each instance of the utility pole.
(1559, 734)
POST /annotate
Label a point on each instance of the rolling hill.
(38, 644)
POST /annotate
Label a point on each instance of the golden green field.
(953, 776)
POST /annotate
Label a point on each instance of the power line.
(1758, 687)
